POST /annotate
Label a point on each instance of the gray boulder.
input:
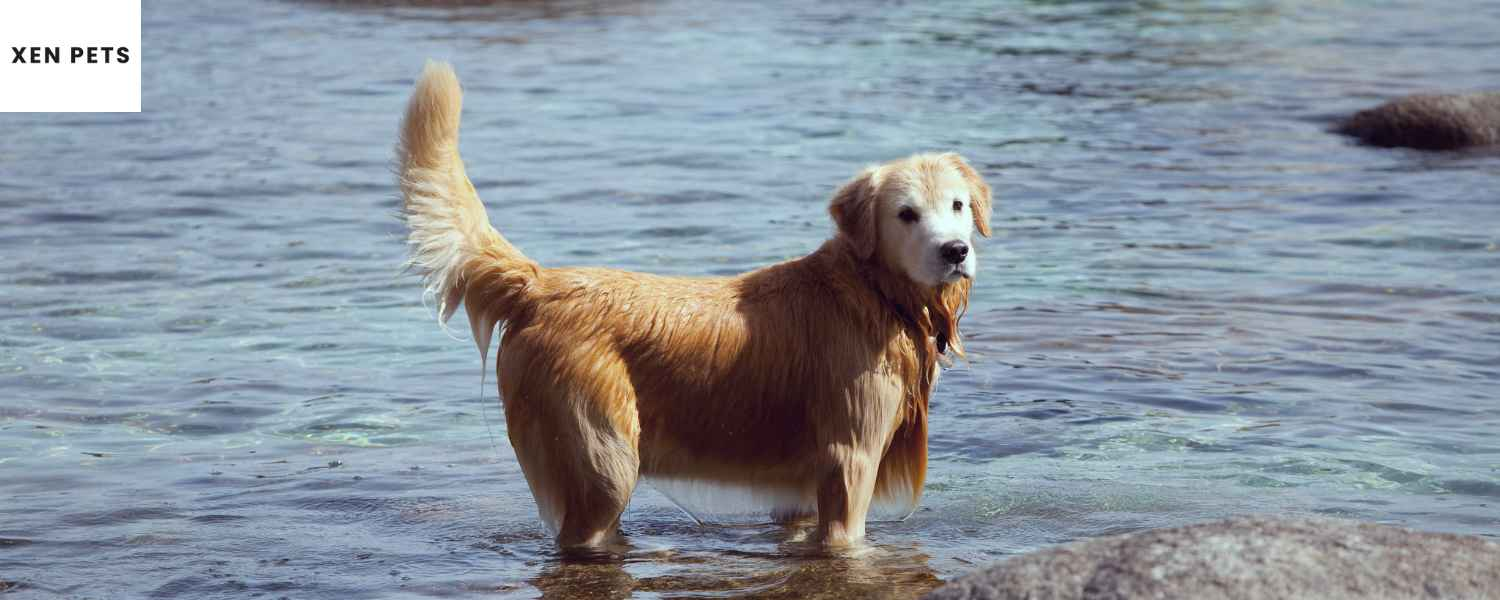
(1430, 122)
(1248, 557)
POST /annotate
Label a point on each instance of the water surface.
(1197, 302)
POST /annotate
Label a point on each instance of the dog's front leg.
(844, 495)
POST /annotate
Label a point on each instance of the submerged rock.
(1430, 122)
(1248, 557)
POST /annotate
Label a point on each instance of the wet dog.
(806, 382)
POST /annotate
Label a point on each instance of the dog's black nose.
(954, 252)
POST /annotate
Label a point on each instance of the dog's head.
(916, 216)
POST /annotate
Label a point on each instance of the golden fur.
(806, 380)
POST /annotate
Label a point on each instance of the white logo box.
(75, 56)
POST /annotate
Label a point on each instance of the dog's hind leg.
(576, 439)
(606, 475)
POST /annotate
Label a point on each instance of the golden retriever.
(806, 381)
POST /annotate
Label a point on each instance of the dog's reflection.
(792, 570)
(602, 578)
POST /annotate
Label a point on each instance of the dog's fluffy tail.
(461, 258)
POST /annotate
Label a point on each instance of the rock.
(1430, 122)
(1248, 557)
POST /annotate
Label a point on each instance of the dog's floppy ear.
(854, 211)
(979, 192)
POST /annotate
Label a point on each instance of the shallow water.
(1197, 302)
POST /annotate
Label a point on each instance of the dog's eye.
(958, 206)
(908, 215)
